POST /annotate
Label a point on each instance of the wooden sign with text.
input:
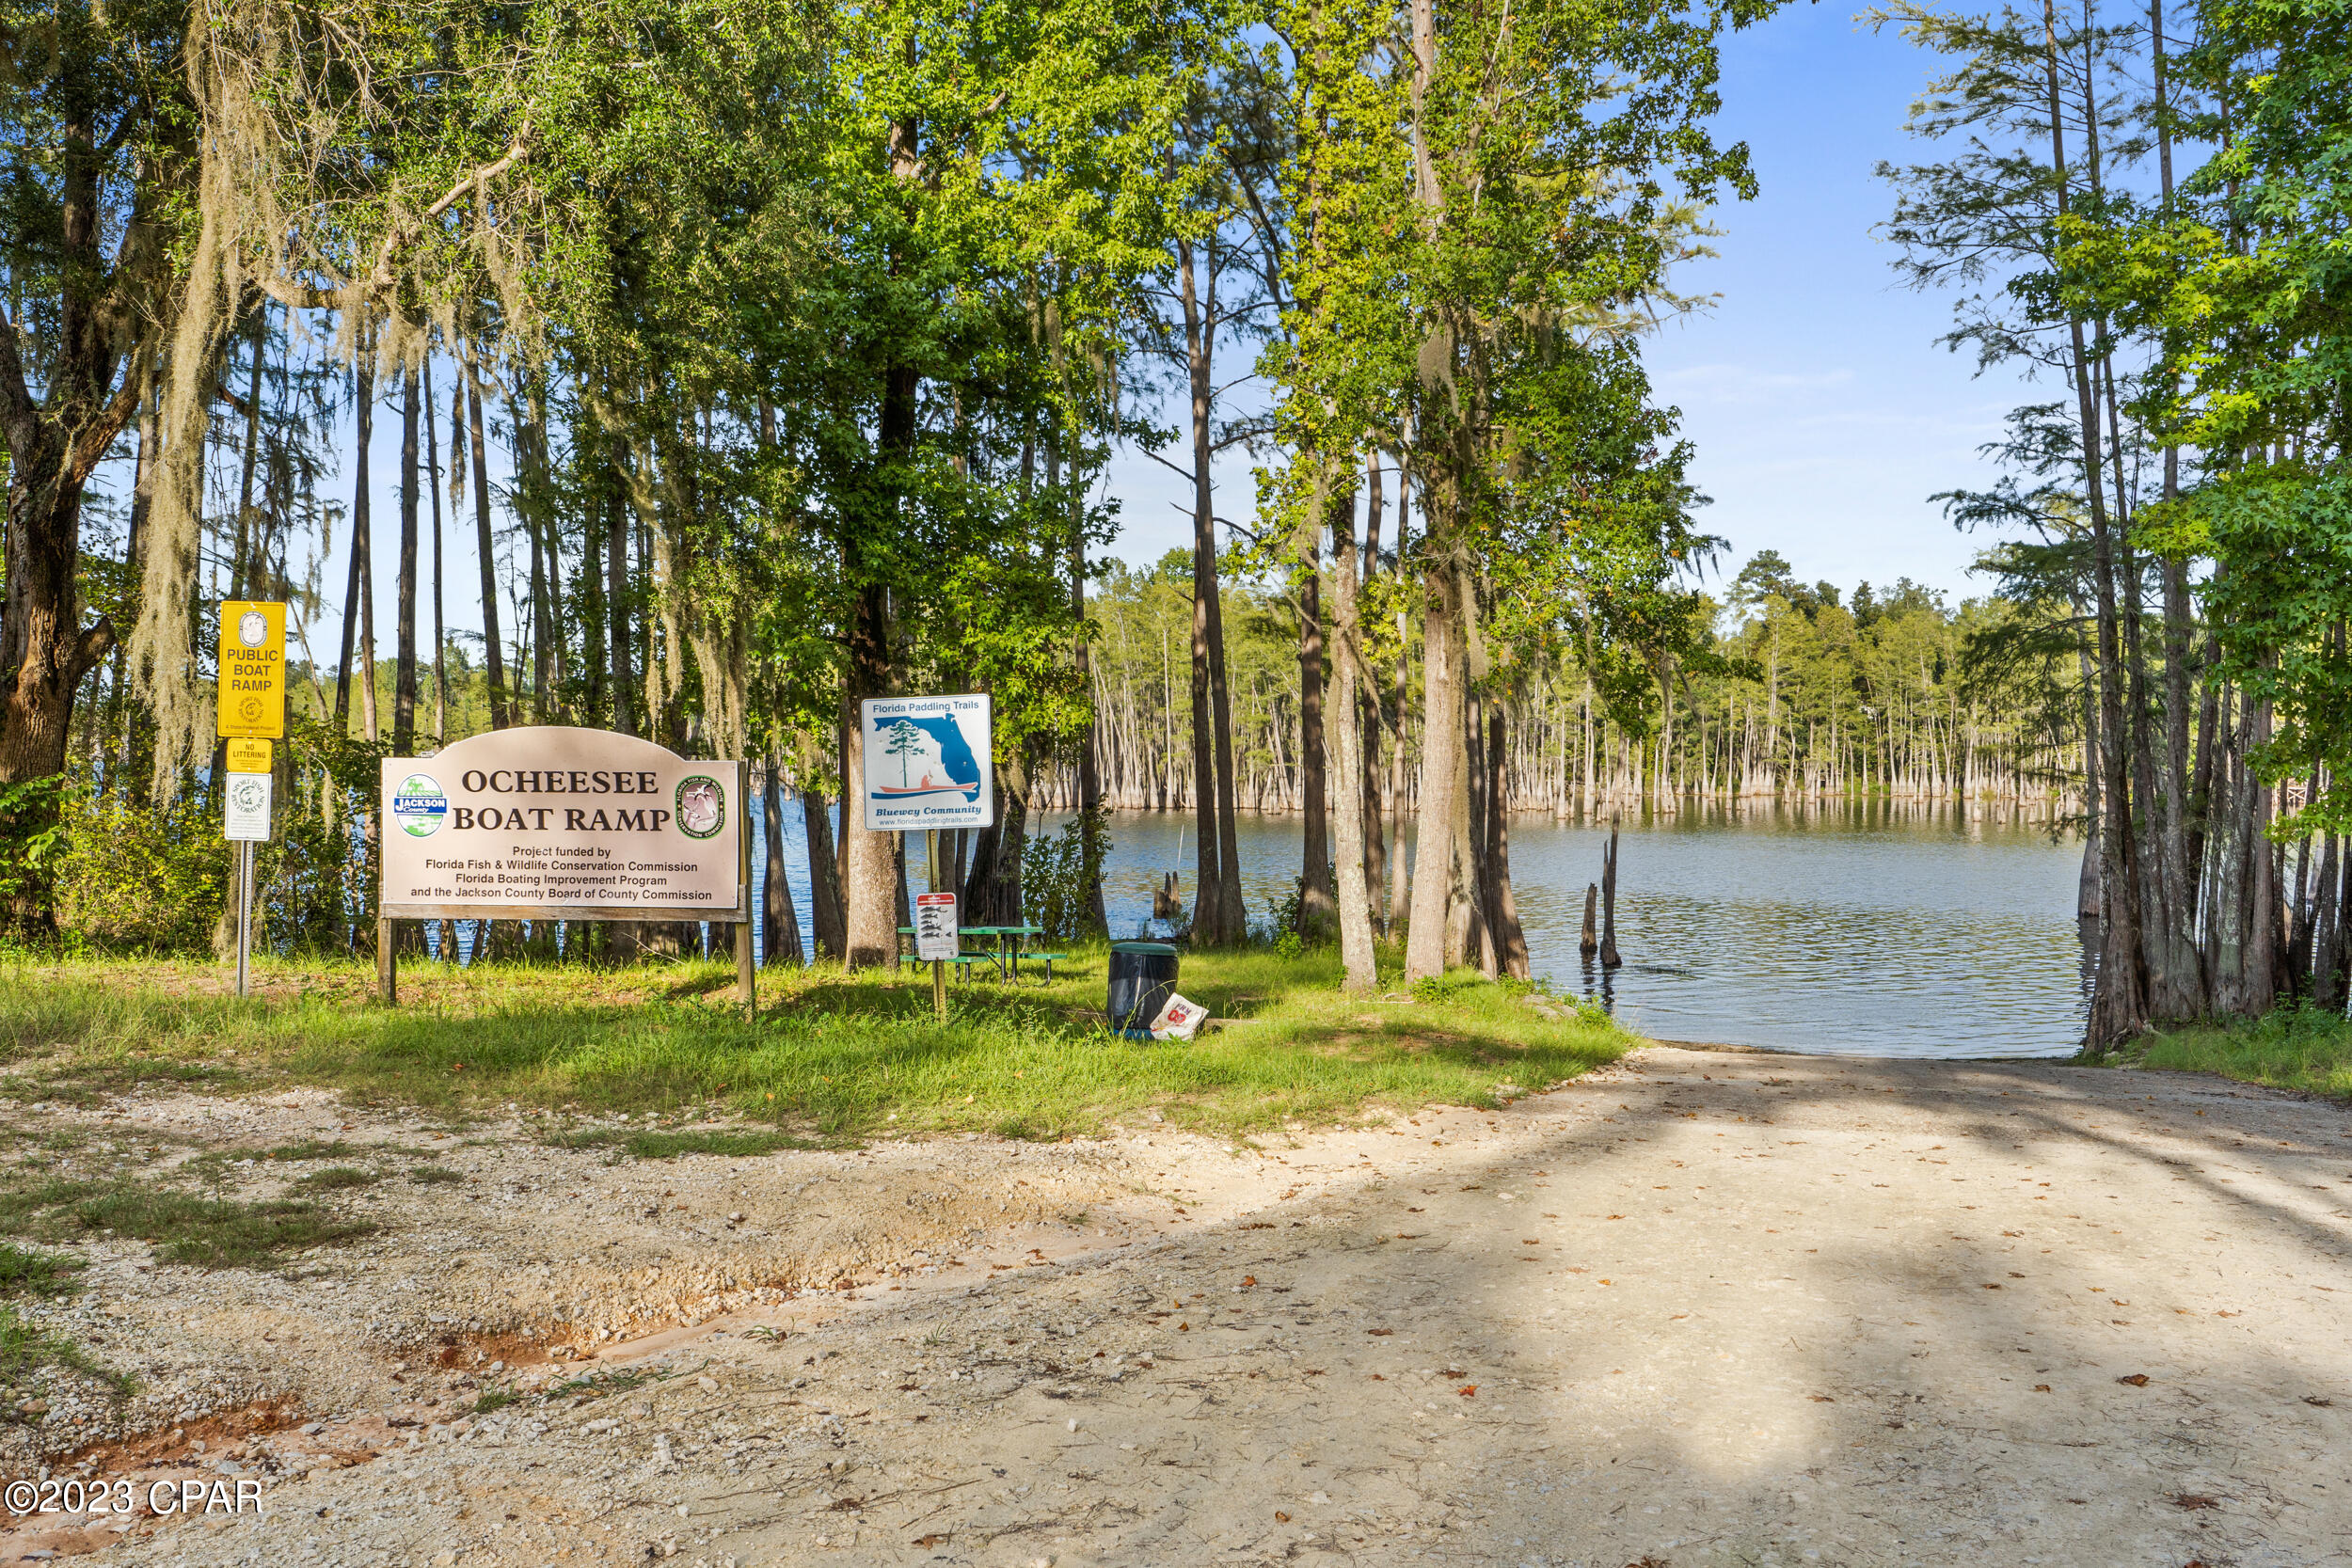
(549, 822)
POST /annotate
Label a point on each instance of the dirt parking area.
(1704, 1308)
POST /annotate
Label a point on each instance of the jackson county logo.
(252, 628)
(419, 805)
(702, 806)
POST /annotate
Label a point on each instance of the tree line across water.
(806, 335)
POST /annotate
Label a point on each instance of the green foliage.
(1058, 874)
(142, 880)
(33, 837)
(1487, 213)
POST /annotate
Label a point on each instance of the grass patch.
(831, 1058)
(430, 1174)
(313, 1148)
(497, 1398)
(597, 1384)
(183, 1226)
(334, 1178)
(26, 1272)
(670, 1146)
(25, 1350)
(2292, 1047)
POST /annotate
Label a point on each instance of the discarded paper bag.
(1179, 1020)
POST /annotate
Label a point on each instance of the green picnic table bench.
(1005, 955)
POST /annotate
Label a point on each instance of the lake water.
(1858, 929)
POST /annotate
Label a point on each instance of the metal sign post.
(245, 918)
(251, 713)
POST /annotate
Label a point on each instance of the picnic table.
(1004, 952)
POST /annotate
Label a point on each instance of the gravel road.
(1704, 1307)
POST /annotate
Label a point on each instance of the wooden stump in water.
(1590, 942)
(1165, 904)
(1609, 957)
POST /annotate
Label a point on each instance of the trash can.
(1143, 975)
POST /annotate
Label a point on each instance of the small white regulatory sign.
(935, 927)
(247, 814)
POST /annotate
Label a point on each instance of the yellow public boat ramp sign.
(252, 670)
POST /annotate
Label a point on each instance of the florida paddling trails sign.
(926, 762)
(557, 823)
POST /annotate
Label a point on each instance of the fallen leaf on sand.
(2138, 1380)
(1821, 1398)
(1379, 1332)
(2041, 1387)
(2193, 1501)
(1468, 1391)
(1281, 1517)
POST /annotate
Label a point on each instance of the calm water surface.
(1858, 929)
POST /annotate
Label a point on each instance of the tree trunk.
(1425, 943)
(1090, 770)
(2118, 1007)
(869, 875)
(55, 438)
(494, 659)
(991, 894)
(405, 612)
(824, 879)
(615, 599)
(1468, 938)
(1377, 845)
(1500, 903)
(441, 628)
(364, 416)
(780, 923)
(1316, 909)
(869, 879)
(1215, 921)
(1352, 893)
